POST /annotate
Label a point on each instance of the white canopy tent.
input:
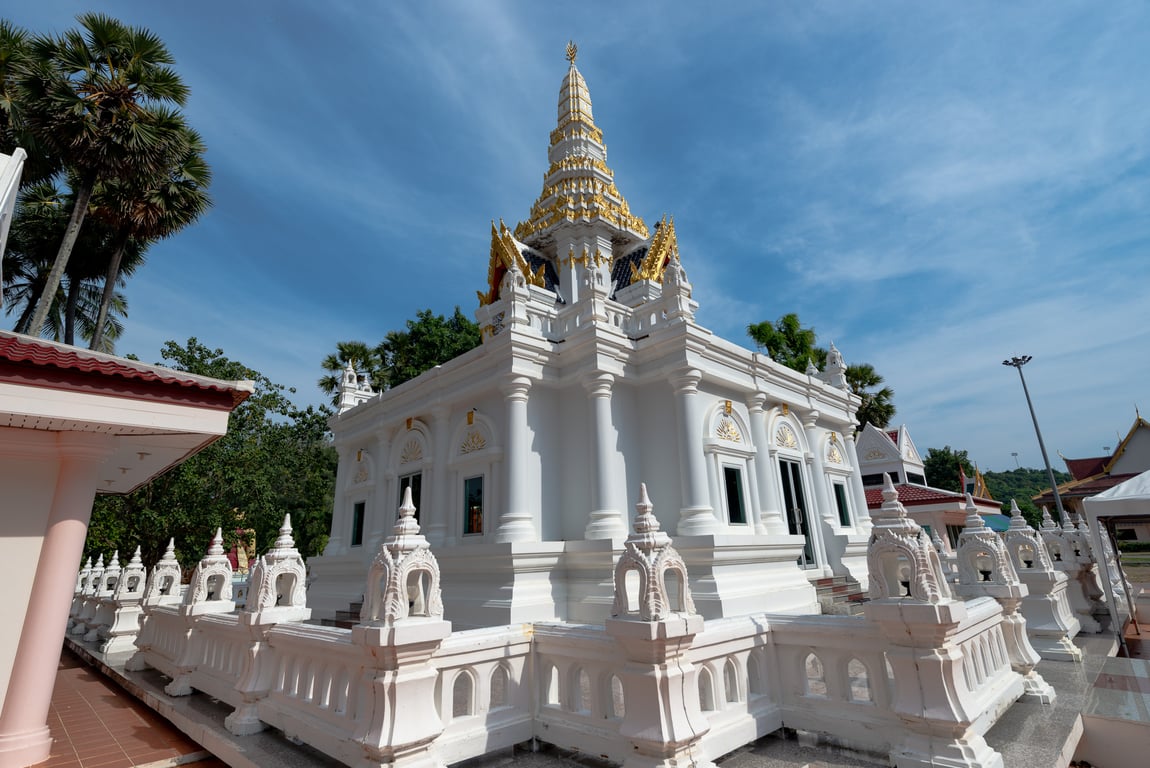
(1130, 502)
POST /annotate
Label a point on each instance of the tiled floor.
(95, 724)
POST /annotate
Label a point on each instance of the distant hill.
(1021, 485)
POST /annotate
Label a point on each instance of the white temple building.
(593, 376)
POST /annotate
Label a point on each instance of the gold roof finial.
(572, 51)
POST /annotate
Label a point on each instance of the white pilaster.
(436, 493)
(606, 519)
(516, 523)
(771, 520)
(696, 517)
(862, 514)
(827, 512)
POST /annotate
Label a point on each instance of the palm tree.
(144, 213)
(876, 407)
(103, 99)
(14, 52)
(364, 359)
(35, 234)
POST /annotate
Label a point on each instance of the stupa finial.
(572, 51)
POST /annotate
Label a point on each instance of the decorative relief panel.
(361, 474)
(785, 437)
(412, 451)
(727, 430)
(473, 442)
(833, 455)
(874, 455)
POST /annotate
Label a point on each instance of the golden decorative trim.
(412, 451)
(473, 442)
(664, 247)
(727, 407)
(785, 437)
(471, 417)
(572, 51)
(409, 420)
(874, 454)
(833, 455)
(728, 431)
(361, 475)
(505, 253)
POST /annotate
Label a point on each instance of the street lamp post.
(1018, 362)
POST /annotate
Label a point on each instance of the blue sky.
(934, 187)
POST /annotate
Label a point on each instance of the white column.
(340, 518)
(606, 519)
(862, 514)
(436, 492)
(696, 517)
(516, 524)
(827, 512)
(771, 520)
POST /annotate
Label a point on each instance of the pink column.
(24, 738)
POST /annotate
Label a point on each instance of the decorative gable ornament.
(212, 578)
(1024, 546)
(403, 581)
(278, 578)
(728, 430)
(785, 437)
(834, 373)
(164, 580)
(132, 581)
(649, 553)
(834, 456)
(982, 557)
(901, 559)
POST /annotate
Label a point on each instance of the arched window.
(706, 690)
(500, 681)
(859, 681)
(617, 708)
(550, 685)
(816, 679)
(462, 694)
(731, 681)
(754, 676)
(581, 699)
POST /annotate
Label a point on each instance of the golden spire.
(572, 51)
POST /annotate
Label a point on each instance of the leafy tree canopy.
(274, 459)
(1021, 485)
(941, 467)
(789, 343)
(427, 340)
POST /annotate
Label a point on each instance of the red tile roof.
(912, 495)
(893, 436)
(26, 357)
(1082, 468)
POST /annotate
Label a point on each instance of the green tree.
(274, 459)
(876, 407)
(142, 210)
(428, 340)
(792, 345)
(366, 361)
(788, 343)
(42, 214)
(941, 467)
(15, 51)
(102, 99)
(1022, 485)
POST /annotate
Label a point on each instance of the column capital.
(810, 419)
(599, 384)
(755, 401)
(686, 381)
(515, 386)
